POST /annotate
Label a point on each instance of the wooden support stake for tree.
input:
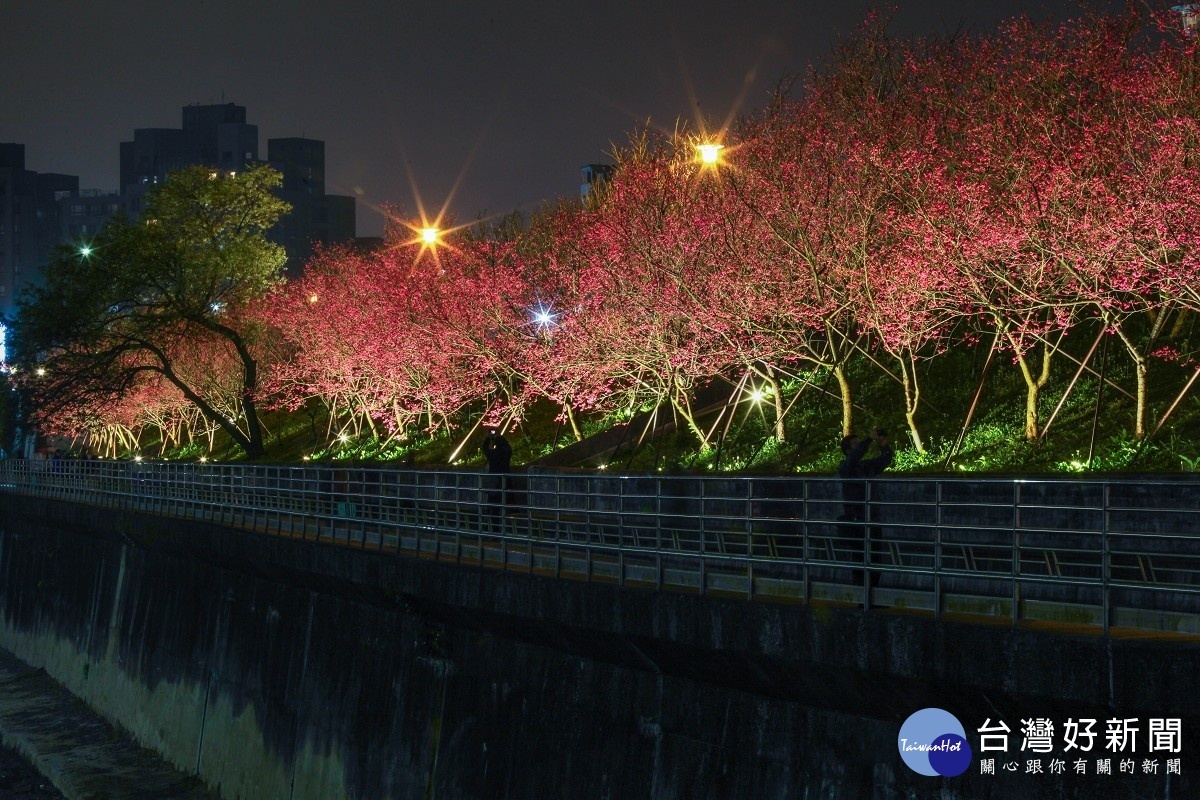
(804, 382)
(971, 411)
(1116, 387)
(467, 438)
(737, 391)
(652, 421)
(1099, 400)
(1071, 386)
(1178, 399)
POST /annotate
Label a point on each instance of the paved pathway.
(80, 752)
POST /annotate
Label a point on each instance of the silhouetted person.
(854, 470)
(498, 453)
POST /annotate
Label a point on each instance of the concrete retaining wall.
(282, 669)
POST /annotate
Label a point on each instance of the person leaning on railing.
(498, 453)
(854, 471)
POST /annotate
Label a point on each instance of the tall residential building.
(82, 215)
(41, 210)
(29, 222)
(213, 135)
(316, 217)
(219, 136)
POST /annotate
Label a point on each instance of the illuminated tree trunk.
(571, 419)
(777, 400)
(1141, 365)
(679, 401)
(1033, 385)
(839, 372)
(912, 397)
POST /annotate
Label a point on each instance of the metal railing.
(1091, 554)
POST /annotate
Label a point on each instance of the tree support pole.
(971, 411)
(1178, 399)
(1071, 386)
(1099, 401)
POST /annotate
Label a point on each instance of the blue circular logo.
(933, 742)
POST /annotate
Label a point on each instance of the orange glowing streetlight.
(430, 235)
(709, 153)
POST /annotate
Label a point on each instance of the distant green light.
(85, 250)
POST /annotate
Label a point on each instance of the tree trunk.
(571, 419)
(254, 437)
(839, 372)
(777, 399)
(1033, 385)
(1180, 319)
(1141, 366)
(1031, 411)
(683, 408)
(912, 397)
(1139, 419)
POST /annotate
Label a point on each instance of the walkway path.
(79, 751)
(20, 781)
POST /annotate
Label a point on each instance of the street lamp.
(709, 153)
(543, 317)
(427, 236)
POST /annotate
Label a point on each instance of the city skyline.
(464, 109)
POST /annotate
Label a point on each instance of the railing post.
(868, 513)
(658, 560)
(937, 550)
(748, 513)
(1105, 562)
(703, 536)
(587, 530)
(460, 514)
(805, 570)
(1016, 553)
(513, 524)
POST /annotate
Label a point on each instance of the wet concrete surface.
(20, 781)
(79, 752)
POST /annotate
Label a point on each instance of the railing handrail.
(1124, 547)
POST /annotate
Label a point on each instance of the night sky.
(482, 108)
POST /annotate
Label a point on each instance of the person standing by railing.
(854, 471)
(498, 453)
